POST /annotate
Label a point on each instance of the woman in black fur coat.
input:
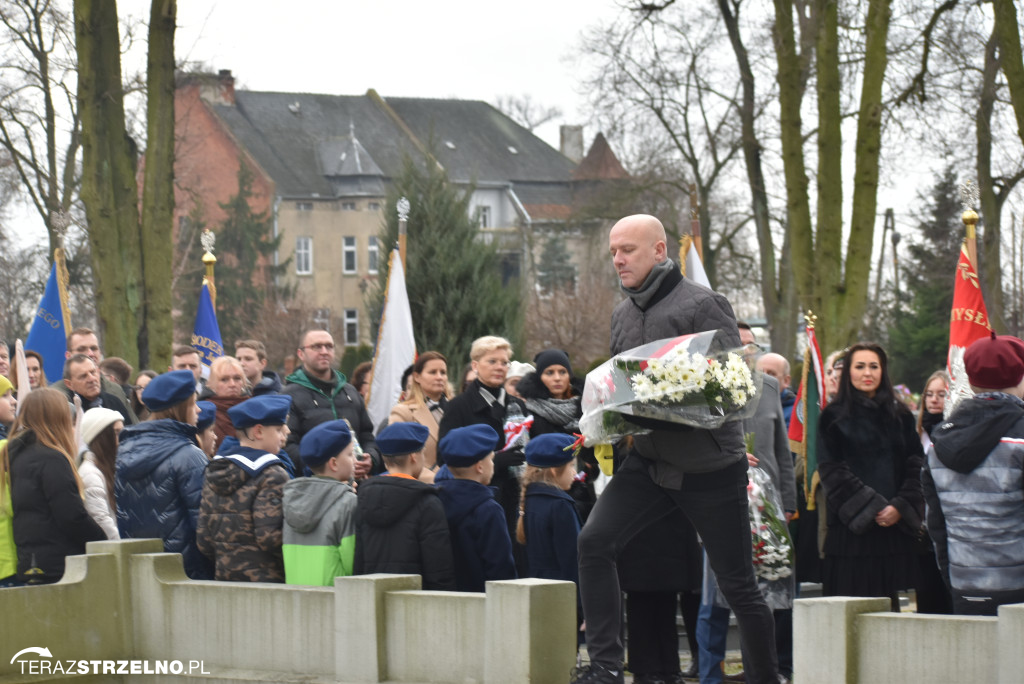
(869, 458)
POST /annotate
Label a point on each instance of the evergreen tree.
(452, 275)
(555, 271)
(246, 277)
(919, 338)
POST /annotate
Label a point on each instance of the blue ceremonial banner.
(47, 336)
(206, 333)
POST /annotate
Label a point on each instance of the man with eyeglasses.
(85, 342)
(320, 393)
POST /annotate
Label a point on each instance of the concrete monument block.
(825, 637)
(530, 632)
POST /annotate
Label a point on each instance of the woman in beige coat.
(429, 392)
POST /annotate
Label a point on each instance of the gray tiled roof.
(299, 138)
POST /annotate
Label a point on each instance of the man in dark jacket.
(84, 341)
(402, 526)
(320, 393)
(252, 354)
(82, 377)
(702, 472)
(974, 482)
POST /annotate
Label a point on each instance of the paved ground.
(733, 662)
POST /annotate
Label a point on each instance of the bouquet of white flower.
(687, 380)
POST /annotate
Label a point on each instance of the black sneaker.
(595, 673)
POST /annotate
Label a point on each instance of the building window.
(351, 327)
(303, 255)
(348, 206)
(373, 206)
(348, 262)
(304, 206)
(372, 255)
(483, 215)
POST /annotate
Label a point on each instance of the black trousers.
(716, 504)
(652, 632)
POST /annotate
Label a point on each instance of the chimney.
(226, 91)
(571, 142)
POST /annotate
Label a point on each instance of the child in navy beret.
(548, 522)
(480, 539)
(402, 525)
(320, 511)
(206, 428)
(240, 516)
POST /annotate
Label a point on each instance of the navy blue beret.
(324, 442)
(398, 439)
(462, 447)
(267, 409)
(549, 450)
(169, 389)
(207, 414)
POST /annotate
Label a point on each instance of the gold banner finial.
(208, 240)
(810, 319)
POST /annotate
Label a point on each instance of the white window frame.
(352, 318)
(348, 206)
(483, 216)
(372, 255)
(303, 255)
(348, 249)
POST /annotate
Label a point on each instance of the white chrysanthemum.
(738, 397)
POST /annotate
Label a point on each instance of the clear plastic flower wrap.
(690, 380)
(771, 546)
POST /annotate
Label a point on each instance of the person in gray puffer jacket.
(974, 482)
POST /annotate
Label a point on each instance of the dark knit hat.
(995, 362)
(551, 357)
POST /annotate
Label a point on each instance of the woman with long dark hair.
(100, 429)
(429, 393)
(869, 458)
(50, 520)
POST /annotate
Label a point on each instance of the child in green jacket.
(320, 511)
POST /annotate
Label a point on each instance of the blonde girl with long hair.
(50, 519)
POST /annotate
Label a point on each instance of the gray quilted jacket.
(974, 490)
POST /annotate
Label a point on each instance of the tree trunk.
(865, 181)
(1007, 32)
(157, 334)
(781, 333)
(990, 271)
(798, 210)
(829, 234)
(109, 190)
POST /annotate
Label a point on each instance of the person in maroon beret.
(974, 482)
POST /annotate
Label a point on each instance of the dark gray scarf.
(642, 295)
(562, 413)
